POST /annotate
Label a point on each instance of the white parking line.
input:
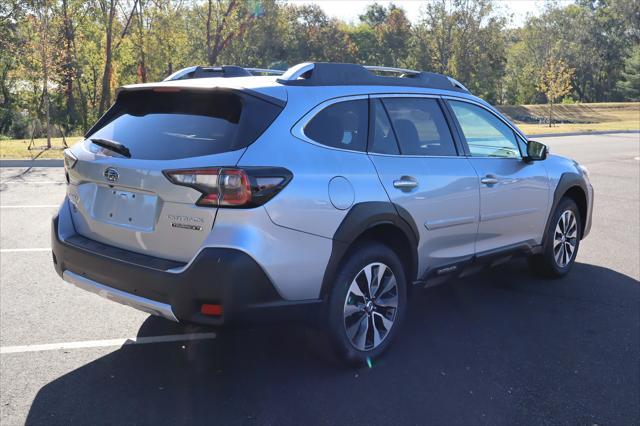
(34, 206)
(24, 250)
(107, 343)
(43, 182)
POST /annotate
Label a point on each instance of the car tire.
(561, 242)
(364, 312)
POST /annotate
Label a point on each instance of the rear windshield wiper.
(112, 145)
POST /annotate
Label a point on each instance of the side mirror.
(536, 151)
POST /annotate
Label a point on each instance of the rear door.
(129, 202)
(514, 194)
(417, 160)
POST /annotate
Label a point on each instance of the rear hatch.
(119, 190)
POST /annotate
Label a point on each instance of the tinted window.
(341, 125)
(161, 125)
(420, 126)
(383, 140)
(486, 134)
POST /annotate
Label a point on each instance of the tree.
(231, 20)
(109, 14)
(374, 15)
(629, 84)
(555, 81)
(42, 11)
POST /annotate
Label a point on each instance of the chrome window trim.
(411, 95)
(499, 117)
(404, 95)
(298, 129)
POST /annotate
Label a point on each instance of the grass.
(610, 116)
(17, 148)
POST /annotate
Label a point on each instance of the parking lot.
(501, 347)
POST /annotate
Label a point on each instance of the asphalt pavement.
(501, 347)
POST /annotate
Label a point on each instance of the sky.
(349, 10)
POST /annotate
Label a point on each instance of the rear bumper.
(222, 276)
(140, 303)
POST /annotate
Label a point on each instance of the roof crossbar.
(337, 74)
(223, 71)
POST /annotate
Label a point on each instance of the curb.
(32, 163)
(598, 132)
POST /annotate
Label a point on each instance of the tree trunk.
(69, 66)
(208, 25)
(142, 66)
(44, 40)
(105, 98)
(550, 112)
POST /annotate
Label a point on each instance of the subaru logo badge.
(111, 174)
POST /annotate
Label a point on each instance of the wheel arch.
(572, 186)
(380, 221)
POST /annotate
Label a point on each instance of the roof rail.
(401, 71)
(456, 83)
(223, 71)
(264, 71)
(338, 74)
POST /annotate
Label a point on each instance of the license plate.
(126, 208)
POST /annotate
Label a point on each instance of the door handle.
(405, 183)
(489, 180)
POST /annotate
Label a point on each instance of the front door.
(414, 153)
(514, 194)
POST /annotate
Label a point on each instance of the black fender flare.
(567, 181)
(360, 218)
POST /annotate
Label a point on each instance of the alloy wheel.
(371, 305)
(565, 238)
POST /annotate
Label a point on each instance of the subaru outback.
(326, 193)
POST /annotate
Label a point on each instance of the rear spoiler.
(160, 87)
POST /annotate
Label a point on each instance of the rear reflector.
(212, 310)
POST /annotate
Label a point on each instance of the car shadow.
(498, 347)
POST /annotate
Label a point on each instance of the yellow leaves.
(555, 78)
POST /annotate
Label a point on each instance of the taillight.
(232, 187)
(70, 161)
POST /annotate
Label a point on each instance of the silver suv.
(326, 193)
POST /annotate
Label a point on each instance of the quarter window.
(420, 126)
(486, 134)
(341, 125)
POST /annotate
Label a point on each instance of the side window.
(383, 140)
(486, 134)
(420, 126)
(341, 125)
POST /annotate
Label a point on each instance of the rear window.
(171, 125)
